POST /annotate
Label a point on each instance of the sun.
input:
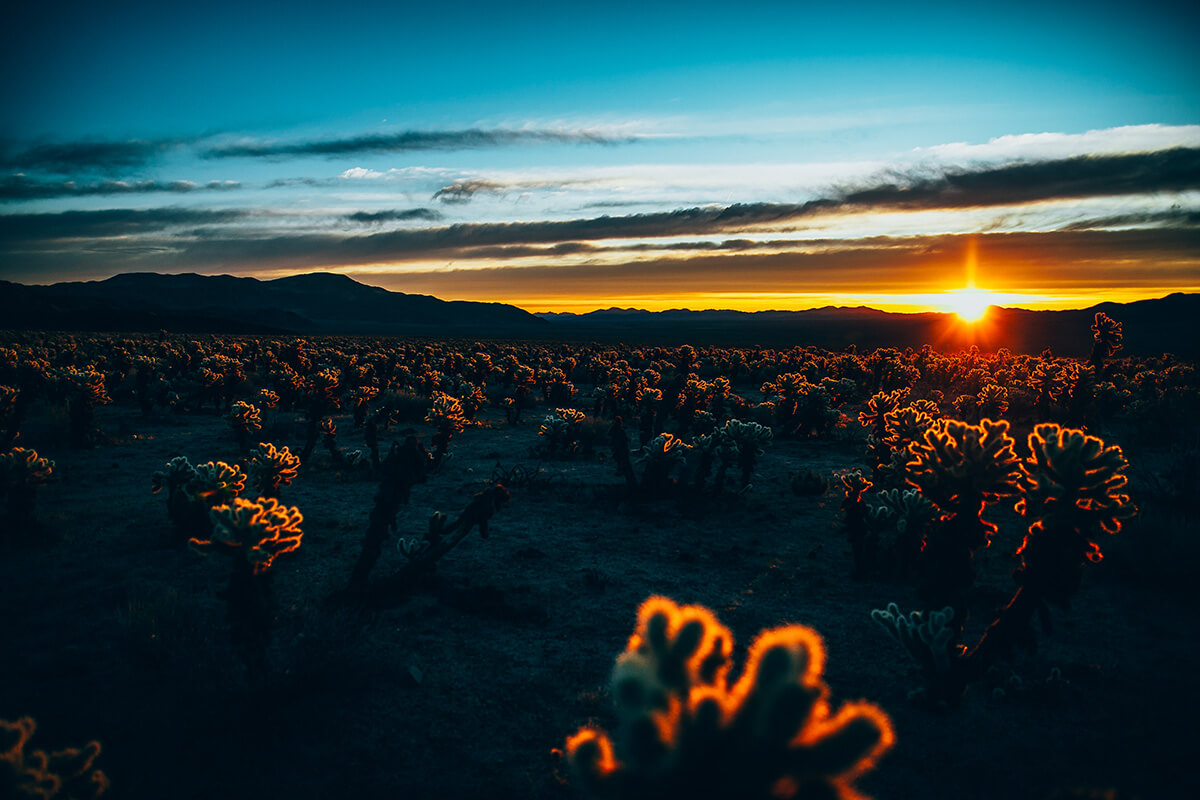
(969, 304)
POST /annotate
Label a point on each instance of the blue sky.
(245, 138)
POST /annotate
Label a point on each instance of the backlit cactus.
(259, 529)
(1107, 336)
(750, 439)
(560, 432)
(960, 468)
(687, 729)
(446, 415)
(22, 471)
(66, 774)
(1073, 490)
(659, 458)
(269, 469)
(244, 419)
(253, 533)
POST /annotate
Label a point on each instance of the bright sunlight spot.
(969, 304)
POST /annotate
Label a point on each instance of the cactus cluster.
(269, 469)
(687, 728)
(22, 471)
(67, 774)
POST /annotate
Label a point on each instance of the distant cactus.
(862, 545)
(11, 413)
(269, 469)
(750, 439)
(659, 458)
(84, 389)
(1107, 336)
(244, 419)
(61, 775)
(447, 416)
(687, 730)
(21, 473)
(559, 435)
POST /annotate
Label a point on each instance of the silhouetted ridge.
(310, 303)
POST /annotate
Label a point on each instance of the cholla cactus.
(900, 523)
(446, 415)
(21, 473)
(858, 534)
(660, 456)
(961, 468)
(1073, 492)
(878, 407)
(62, 775)
(253, 533)
(559, 433)
(1106, 340)
(10, 416)
(266, 399)
(85, 390)
(215, 482)
(244, 419)
(269, 469)
(927, 637)
(686, 729)
(258, 529)
(750, 439)
(193, 490)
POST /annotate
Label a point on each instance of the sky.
(579, 156)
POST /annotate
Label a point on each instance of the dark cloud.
(1177, 169)
(1068, 262)
(22, 228)
(1171, 218)
(465, 191)
(86, 156)
(394, 215)
(22, 187)
(403, 141)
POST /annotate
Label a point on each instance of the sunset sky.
(577, 156)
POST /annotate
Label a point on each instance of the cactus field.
(256, 567)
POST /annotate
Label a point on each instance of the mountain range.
(318, 303)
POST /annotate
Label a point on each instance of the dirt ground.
(111, 630)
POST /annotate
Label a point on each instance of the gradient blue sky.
(546, 155)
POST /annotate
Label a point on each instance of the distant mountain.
(312, 303)
(1151, 327)
(329, 303)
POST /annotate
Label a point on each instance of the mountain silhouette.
(312, 303)
(320, 302)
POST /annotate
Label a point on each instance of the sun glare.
(969, 304)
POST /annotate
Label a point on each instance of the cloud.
(87, 156)
(22, 187)
(394, 215)
(1171, 218)
(117, 222)
(464, 191)
(406, 141)
(1108, 141)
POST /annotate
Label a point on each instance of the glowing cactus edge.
(688, 729)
